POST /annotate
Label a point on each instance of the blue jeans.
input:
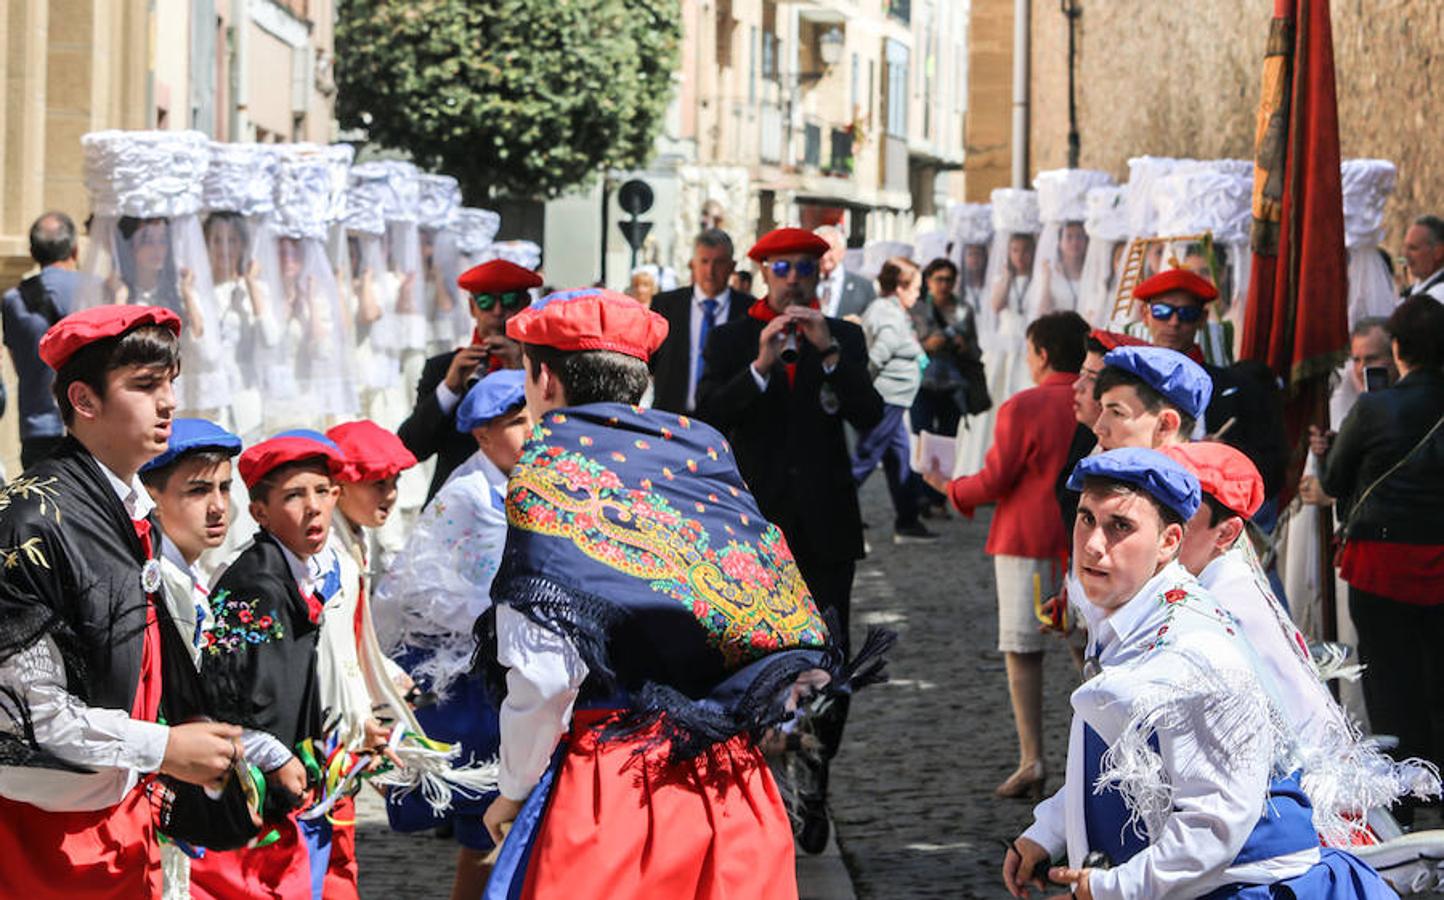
(888, 444)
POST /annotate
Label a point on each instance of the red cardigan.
(1030, 446)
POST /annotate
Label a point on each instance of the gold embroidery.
(10, 556)
(29, 487)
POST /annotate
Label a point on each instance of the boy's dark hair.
(1217, 512)
(151, 346)
(158, 479)
(260, 492)
(1100, 485)
(1417, 327)
(1061, 335)
(1112, 377)
(592, 376)
(1091, 344)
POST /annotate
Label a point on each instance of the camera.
(789, 343)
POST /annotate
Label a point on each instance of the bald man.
(841, 293)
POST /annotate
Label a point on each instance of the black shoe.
(911, 534)
(812, 831)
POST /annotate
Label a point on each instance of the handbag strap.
(1364, 495)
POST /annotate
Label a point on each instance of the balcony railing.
(894, 163)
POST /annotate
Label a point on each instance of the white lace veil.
(146, 246)
(1015, 212)
(1062, 205)
(1367, 186)
(1107, 226)
(377, 336)
(441, 259)
(971, 225)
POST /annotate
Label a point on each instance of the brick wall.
(1181, 78)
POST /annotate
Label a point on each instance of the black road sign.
(635, 197)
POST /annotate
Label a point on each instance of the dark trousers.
(938, 412)
(1404, 679)
(830, 582)
(33, 450)
(887, 443)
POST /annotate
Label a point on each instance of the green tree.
(515, 97)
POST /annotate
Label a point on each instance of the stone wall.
(1181, 78)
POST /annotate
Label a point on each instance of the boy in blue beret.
(1150, 397)
(1184, 777)
(426, 604)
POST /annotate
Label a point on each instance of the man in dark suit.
(779, 383)
(498, 290)
(842, 294)
(692, 313)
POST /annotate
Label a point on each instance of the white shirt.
(1433, 286)
(120, 749)
(694, 358)
(829, 291)
(544, 674)
(1215, 799)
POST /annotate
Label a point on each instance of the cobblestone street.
(912, 799)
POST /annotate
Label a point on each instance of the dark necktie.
(709, 321)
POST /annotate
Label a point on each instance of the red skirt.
(108, 854)
(621, 824)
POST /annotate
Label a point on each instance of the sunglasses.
(508, 300)
(805, 268)
(1186, 314)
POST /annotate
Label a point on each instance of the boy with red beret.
(499, 290)
(638, 565)
(263, 662)
(90, 661)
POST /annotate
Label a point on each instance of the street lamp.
(829, 51)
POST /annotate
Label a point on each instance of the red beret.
(782, 241)
(498, 277)
(1224, 473)
(1176, 279)
(590, 319)
(97, 323)
(1112, 340)
(372, 453)
(287, 447)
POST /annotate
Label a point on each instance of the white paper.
(931, 450)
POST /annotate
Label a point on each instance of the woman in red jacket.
(1027, 540)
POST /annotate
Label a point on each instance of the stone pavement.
(912, 797)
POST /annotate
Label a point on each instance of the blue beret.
(490, 397)
(187, 435)
(308, 434)
(1163, 478)
(1179, 379)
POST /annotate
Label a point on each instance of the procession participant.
(263, 662)
(1086, 410)
(1343, 775)
(1246, 407)
(785, 422)
(429, 597)
(1182, 773)
(356, 677)
(499, 289)
(1025, 539)
(190, 484)
(84, 652)
(637, 564)
(1148, 397)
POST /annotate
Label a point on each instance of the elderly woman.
(643, 286)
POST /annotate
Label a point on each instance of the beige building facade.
(1182, 79)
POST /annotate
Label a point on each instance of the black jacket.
(1247, 393)
(790, 448)
(429, 431)
(1407, 506)
(672, 363)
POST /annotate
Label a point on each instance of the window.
(856, 84)
(771, 46)
(752, 63)
(897, 89)
(725, 25)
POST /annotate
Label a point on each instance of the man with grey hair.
(692, 312)
(29, 309)
(1424, 257)
(842, 294)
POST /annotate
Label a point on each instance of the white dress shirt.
(694, 339)
(120, 749)
(829, 291)
(544, 674)
(1214, 799)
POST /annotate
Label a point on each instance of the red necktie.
(314, 604)
(142, 531)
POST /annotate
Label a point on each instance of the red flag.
(1297, 315)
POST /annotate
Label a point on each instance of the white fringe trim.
(432, 773)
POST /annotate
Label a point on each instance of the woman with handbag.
(1386, 467)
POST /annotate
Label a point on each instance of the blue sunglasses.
(1186, 314)
(805, 268)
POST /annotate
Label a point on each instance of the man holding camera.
(498, 290)
(779, 384)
